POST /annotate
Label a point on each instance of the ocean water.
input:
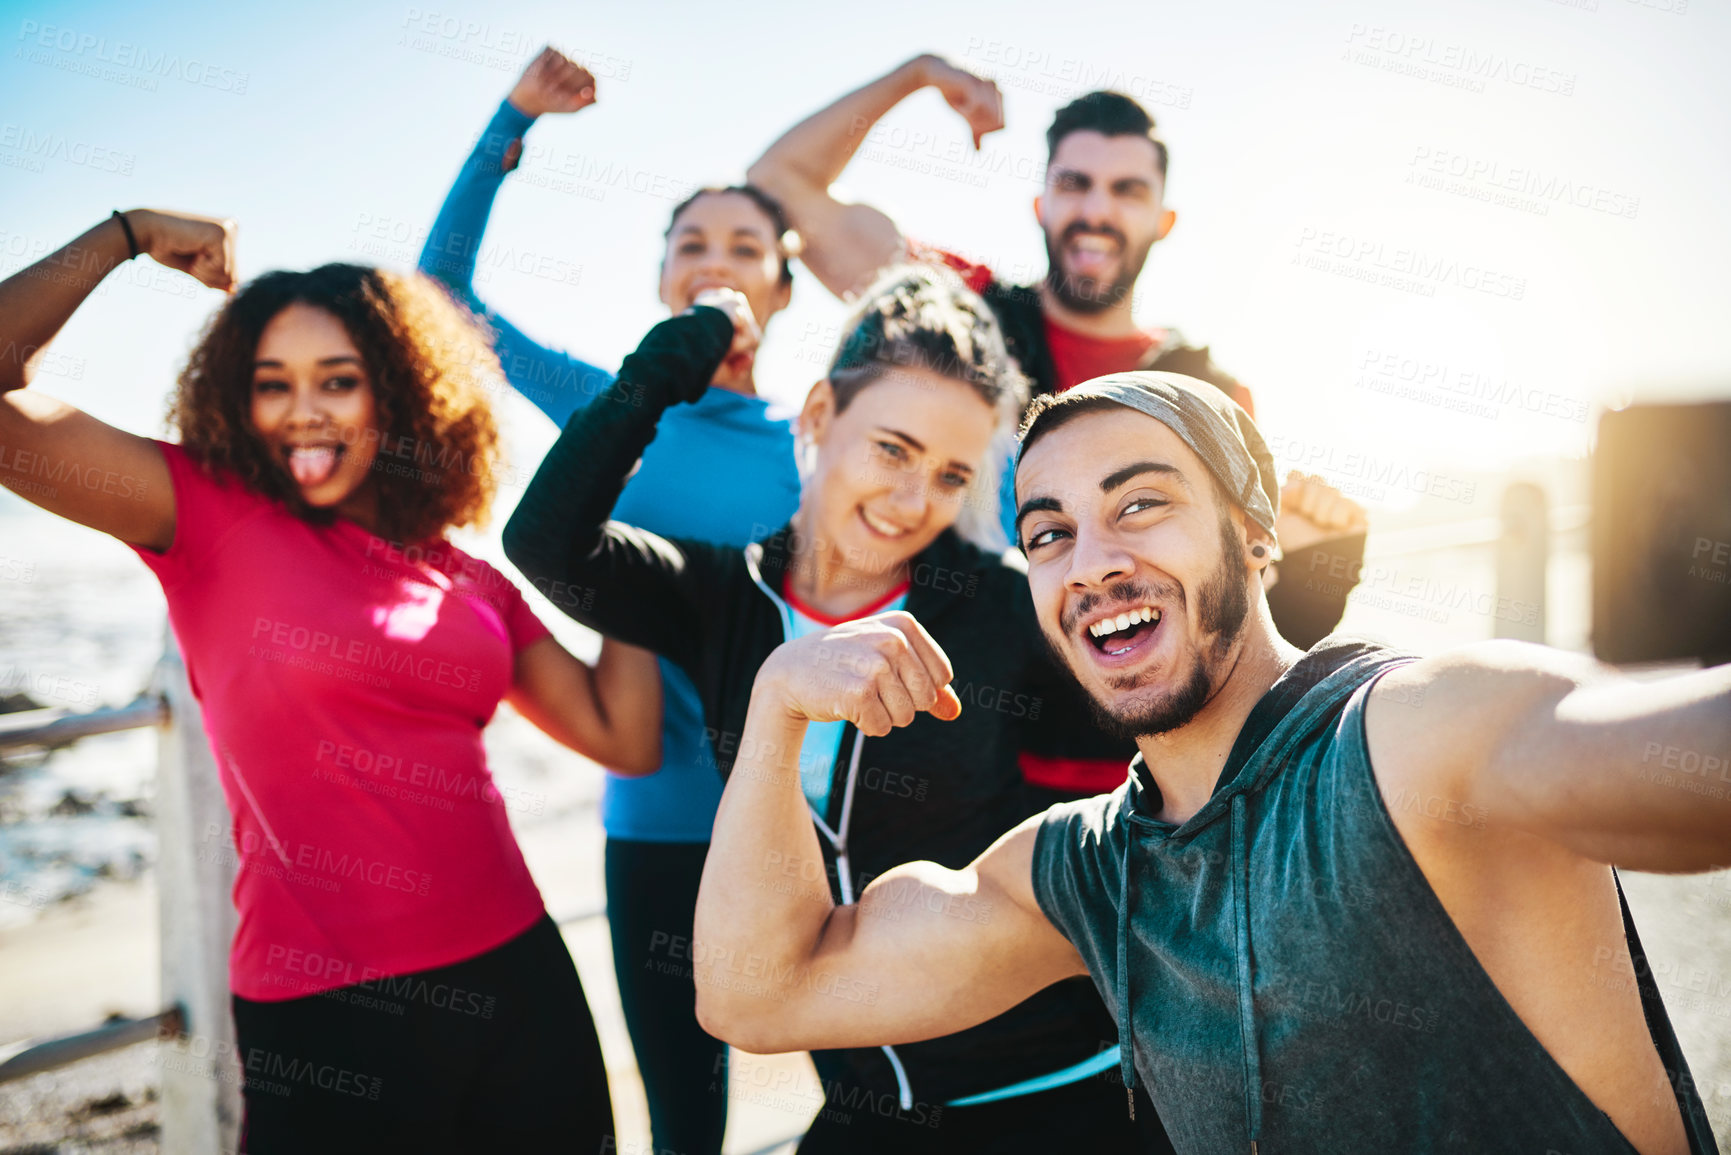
(81, 624)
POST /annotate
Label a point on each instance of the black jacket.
(936, 791)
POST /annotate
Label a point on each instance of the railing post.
(201, 1102)
(1523, 554)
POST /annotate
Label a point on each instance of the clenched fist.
(201, 247)
(747, 334)
(877, 673)
(976, 98)
(1311, 510)
(553, 82)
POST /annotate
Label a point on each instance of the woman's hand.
(746, 333)
(201, 247)
(555, 83)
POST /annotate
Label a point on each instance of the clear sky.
(1428, 236)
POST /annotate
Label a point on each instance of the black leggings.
(1088, 1115)
(496, 1053)
(651, 897)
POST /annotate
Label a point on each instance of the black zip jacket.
(937, 791)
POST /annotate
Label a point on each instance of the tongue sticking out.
(313, 466)
(1091, 255)
(1090, 259)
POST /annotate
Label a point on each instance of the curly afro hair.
(431, 363)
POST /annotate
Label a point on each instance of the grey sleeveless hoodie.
(1283, 973)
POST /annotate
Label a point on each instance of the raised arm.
(846, 245)
(621, 581)
(926, 951)
(61, 458)
(558, 383)
(1636, 773)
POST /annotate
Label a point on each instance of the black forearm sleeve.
(613, 578)
(1310, 597)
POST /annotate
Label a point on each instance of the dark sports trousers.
(495, 1053)
(1091, 1115)
(651, 900)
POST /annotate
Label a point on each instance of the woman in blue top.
(722, 470)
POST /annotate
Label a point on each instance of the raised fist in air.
(553, 82)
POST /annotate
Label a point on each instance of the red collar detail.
(818, 615)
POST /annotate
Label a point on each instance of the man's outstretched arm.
(1635, 773)
(846, 245)
(926, 951)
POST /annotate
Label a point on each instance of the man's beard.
(1224, 605)
(1089, 294)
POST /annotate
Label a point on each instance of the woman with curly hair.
(397, 982)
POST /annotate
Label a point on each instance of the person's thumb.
(948, 707)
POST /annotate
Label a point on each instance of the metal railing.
(112, 1035)
(50, 729)
(200, 1104)
(200, 1108)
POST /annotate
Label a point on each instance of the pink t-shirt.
(345, 683)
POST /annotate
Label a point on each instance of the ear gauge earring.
(1259, 551)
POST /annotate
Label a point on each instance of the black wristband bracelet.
(131, 241)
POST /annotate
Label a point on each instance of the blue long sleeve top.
(721, 470)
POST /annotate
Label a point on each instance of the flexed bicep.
(925, 952)
(847, 245)
(59, 457)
